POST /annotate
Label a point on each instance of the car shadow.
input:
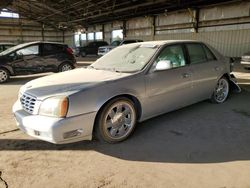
(200, 133)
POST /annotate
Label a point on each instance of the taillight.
(70, 51)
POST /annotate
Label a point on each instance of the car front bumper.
(55, 130)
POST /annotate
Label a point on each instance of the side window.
(210, 55)
(50, 49)
(174, 54)
(196, 53)
(31, 50)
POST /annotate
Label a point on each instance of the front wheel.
(4, 75)
(221, 91)
(116, 121)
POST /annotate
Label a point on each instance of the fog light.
(73, 133)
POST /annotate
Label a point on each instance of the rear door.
(205, 69)
(52, 55)
(172, 88)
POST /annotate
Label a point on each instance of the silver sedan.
(130, 84)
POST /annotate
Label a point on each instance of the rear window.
(210, 55)
(50, 49)
(128, 41)
(196, 53)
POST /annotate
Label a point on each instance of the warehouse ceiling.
(72, 14)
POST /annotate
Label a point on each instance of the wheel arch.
(11, 72)
(64, 62)
(134, 99)
(233, 86)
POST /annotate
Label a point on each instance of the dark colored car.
(5, 46)
(91, 48)
(35, 57)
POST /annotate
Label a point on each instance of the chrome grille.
(28, 102)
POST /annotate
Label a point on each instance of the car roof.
(162, 42)
(44, 42)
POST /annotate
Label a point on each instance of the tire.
(221, 91)
(116, 121)
(83, 54)
(4, 75)
(65, 67)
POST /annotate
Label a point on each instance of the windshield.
(12, 49)
(128, 58)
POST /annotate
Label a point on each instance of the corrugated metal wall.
(225, 27)
(23, 30)
(231, 43)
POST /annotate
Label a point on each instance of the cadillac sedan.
(130, 84)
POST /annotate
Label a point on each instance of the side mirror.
(163, 65)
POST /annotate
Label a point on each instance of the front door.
(28, 60)
(169, 89)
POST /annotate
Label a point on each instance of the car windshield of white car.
(127, 58)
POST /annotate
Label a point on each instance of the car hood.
(69, 82)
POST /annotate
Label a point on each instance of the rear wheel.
(65, 67)
(4, 75)
(116, 121)
(221, 91)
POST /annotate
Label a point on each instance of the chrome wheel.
(3, 75)
(66, 67)
(119, 120)
(221, 90)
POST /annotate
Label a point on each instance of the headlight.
(54, 106)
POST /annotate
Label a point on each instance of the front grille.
(28, 102)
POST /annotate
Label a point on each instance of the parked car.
(105, 49)
(90, 49)
(130, 84)
(245, 60)
(35, 57)
(5, 46)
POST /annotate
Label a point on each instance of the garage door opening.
(117, 35)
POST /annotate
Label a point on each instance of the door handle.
(186, 75)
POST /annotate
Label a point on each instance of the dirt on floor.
(204, 145)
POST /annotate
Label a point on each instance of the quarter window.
(174, 54)
(196, 53)
(49, 49)
(210, 55)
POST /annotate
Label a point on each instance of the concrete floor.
(203, 145)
